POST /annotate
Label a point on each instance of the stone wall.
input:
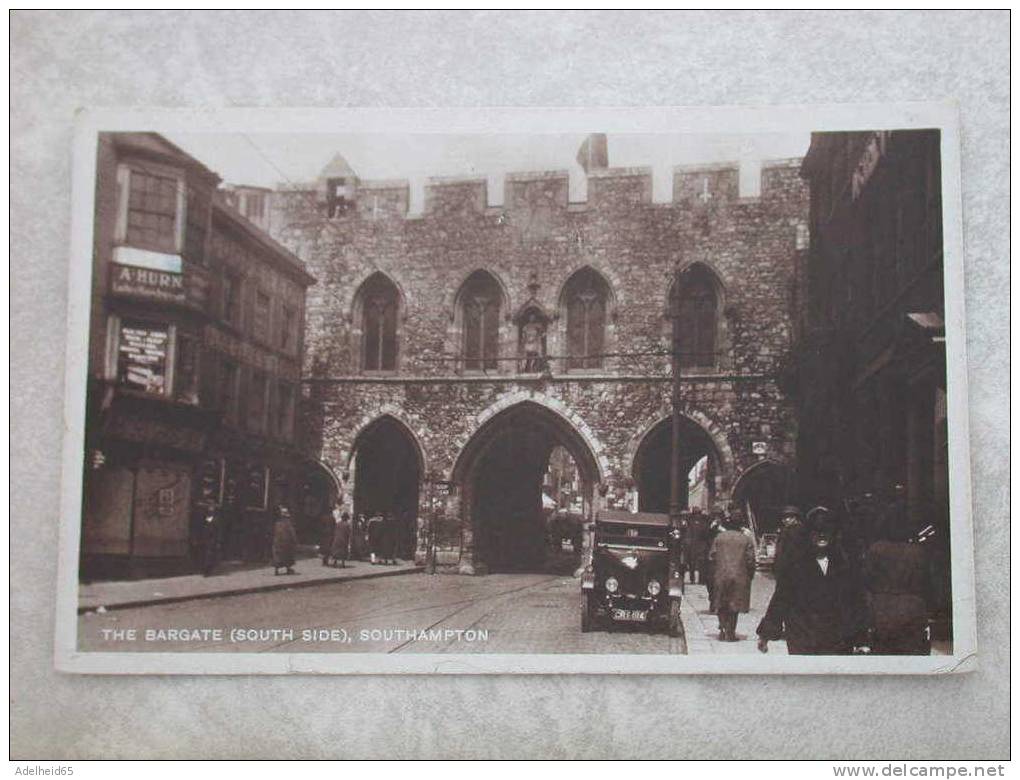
(532, 244)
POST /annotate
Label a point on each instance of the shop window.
(480, 301)
(186, 381)
(151, 210)
(585, 296)
(143, 351)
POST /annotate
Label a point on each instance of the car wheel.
(676, 626)
(587, 613)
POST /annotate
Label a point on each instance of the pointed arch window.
(480, 300)
(698, 314)
(380, 306)
(585, 297)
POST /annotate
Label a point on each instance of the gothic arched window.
(480, 300)
(380, 303)
(584, 298)
(698, 318)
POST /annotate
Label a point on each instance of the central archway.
(501, 472)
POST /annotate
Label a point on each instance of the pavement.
(702, 626)
(229, 579)
(367, 609)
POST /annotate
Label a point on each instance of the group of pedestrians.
(854, 584)
(374, 538)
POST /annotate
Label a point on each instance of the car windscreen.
(632, 534)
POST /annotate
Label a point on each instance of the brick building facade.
(448, 353)
(195, 356)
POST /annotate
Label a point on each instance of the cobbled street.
(499, 613)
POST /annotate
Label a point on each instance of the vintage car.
(635, 573)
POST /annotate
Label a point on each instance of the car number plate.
(630, 614)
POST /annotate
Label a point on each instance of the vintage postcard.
(517, 391)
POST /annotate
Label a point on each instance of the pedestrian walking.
(791, 536)
(715, 527)
(284, 542)
(388, 542)
(895, 578)
(696, 544)
(327, 530)
(211, 532)
(338, 549)
(732, 557)
(818, 604)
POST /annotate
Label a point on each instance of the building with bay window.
(195, 357)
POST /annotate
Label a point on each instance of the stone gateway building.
(448, 353)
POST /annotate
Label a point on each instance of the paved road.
(500, 613)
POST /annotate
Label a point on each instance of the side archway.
(385, 469)
(762, 490)
(706, 461)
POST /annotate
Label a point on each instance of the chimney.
(594, 153)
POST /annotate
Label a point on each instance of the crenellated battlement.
(340, 193)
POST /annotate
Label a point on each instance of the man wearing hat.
(818, 604)
(791, 533)
(732, 558)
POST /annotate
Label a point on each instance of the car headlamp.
(654, 587)
(612, 585)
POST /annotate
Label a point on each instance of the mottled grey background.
(63, 61)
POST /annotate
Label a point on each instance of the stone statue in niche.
(533, 342)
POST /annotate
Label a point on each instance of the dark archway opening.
(387, 476)
(762, 491)
(503, 470)
(699, 465)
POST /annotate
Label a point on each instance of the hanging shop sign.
(147, 283)
(142, 356)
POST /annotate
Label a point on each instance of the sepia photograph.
(491, 385)
(439, 401)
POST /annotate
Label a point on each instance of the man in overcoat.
(818, 604)
(338, 548)
(732, 559)
(327, 531)
(284, 542)
(791, 535)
